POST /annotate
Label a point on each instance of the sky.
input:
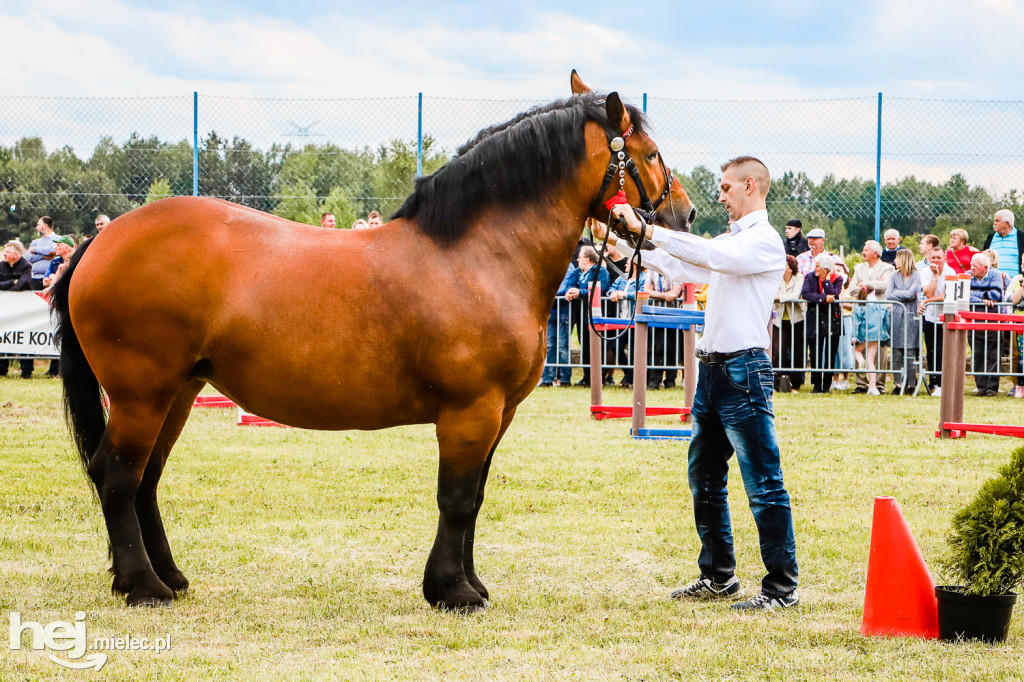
(793, 81)
(775, 49)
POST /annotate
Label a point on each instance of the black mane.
(507, 164)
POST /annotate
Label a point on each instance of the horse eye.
(652, 157)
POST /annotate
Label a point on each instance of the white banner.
(25, 326)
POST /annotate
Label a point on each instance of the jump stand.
(248, 419)
(663, 318)
(951, 405)
(213, 401)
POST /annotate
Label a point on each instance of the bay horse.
(437, 317)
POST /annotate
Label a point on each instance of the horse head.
(653, 188)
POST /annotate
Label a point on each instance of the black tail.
(83, 397)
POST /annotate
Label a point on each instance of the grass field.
(305, 549)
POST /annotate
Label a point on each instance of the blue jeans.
(558, 345)
(732, 413)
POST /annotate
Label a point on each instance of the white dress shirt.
(743, 268)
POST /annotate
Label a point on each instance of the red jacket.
(960, 260)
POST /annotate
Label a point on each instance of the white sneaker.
(937, 393)
(844, 385)
(873, 391)
(835, 386)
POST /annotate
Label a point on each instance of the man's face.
(42, 228)
(101, 222)
(869, 254)
(62, 249)
(924, 248)
(1001, 226)
(791, 230)
(374, 221)
(817, 244)
(936, 258)
(978, 269)
(11, 255)
(329, 221)
(733, 194)
(892, 240)
(583, 262)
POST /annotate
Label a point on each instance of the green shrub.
(986, 543)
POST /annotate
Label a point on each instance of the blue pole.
(878, 175)
(419, 138)
(195, 144)
(645, 102)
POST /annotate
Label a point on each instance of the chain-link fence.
(944, 164)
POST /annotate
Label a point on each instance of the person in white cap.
(815, 240)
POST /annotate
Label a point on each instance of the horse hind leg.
(146, 506)
(467, 549)
(117, 470)
(465, 438)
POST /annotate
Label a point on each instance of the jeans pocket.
(737, 374)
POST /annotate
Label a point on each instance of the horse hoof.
(177, 582)
(149, 593)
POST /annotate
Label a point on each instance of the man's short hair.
(373, 214)
(890, 231)
(931, 240)
(104, 216)
(795, 223)
(750, 167)
(590, 253)
(48, 221)
(874, 246)
(981, 258)
(17, 245)
(1005, 215)
(824, 260)
(324, 215)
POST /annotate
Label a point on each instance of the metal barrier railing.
(915, 363)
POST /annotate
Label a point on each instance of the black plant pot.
(966, 616)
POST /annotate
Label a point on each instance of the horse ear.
(577, 84)
(618, 116)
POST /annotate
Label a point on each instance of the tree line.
(302, 181)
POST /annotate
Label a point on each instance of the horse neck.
(531, 246)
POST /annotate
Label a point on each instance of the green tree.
(160, 189)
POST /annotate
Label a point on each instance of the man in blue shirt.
(579, 288)
(986, 291)
(1007, 242)
(557, 360)
(41, 251)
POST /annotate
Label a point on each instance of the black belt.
(718, 358)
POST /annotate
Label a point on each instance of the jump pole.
(596, 370)
(954, 359)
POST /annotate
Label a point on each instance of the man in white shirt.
(732, 407)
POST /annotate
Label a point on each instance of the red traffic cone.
(900, 595)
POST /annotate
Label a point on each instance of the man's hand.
(572, 294)
(599, 230)
(624, 212)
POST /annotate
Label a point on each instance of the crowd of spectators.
(876, 322)
(37, 268)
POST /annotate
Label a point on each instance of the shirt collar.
(749, 220)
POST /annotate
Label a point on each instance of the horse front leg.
(467, 551)
(465, 439)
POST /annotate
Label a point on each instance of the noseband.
(620, 163)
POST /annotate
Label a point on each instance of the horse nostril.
(693, 216)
